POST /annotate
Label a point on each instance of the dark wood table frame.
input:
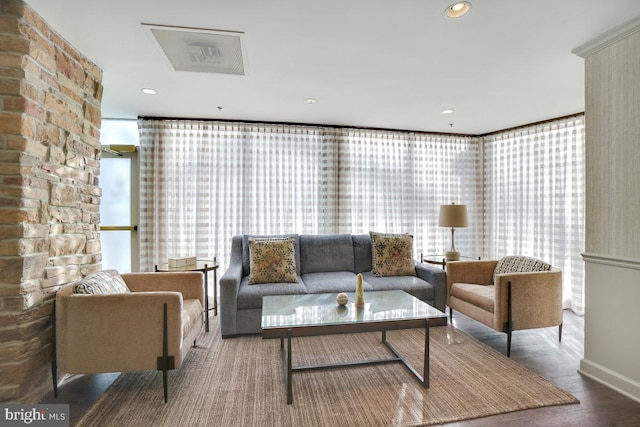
(332, 329)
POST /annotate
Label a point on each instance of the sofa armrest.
(437, 277)
(189, 283)
(536, 299)
(229, 287)
(116, 332)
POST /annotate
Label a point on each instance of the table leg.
(206, 299)
(289, 371)
(215, 291)
(425, 375)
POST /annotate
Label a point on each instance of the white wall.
(612, 325)
(612, 235)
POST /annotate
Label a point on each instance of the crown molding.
(608, 38)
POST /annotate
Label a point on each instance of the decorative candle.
(359, 291)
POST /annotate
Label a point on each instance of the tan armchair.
(149, 326)
(516, 300)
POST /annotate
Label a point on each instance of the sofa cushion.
(392, 254)
(272, 260)
(519, 264)
(102, 282)
(326, 252)
(332, 282)
(479, 295)
(362, 253)
(413, 285)
(246, 264)
(250, 296)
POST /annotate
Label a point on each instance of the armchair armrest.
(536, 299)
(437, 277)
(116, 332)
(189, 283)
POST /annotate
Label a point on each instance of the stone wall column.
(49, 195)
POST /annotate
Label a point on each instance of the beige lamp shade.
(453, 216)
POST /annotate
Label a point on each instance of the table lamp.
(453, 216)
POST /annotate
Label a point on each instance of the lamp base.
(452, 256)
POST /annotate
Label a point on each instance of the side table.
(440, 259)
(204, 266)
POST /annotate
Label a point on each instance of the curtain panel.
(396, 181)
(534, 183)
(201, 182)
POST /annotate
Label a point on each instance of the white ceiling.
(370, 63)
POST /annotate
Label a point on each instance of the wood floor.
(538, 350)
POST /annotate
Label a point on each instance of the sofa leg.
(54, 361)
(450, 315)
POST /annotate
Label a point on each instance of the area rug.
(240, 382)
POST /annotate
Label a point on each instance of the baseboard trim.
(611, 379)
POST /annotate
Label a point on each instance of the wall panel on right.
(612, 235)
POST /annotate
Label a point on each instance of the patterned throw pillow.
(519, 264)
(272, 260)
(102, 282)
(392, 254)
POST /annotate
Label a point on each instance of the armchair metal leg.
(450, 315)
(508, 326)
(560, 332)
(165, 362)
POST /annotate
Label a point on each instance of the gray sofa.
(324, 263)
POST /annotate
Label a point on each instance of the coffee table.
(289, 316)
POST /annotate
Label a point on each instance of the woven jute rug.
(240, 382)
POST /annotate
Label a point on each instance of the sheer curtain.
(396, 181)
(204, 181)
(534, 198)
(201, 182)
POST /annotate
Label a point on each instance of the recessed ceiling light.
(310, 100)
(447, 111)
(458, 9)
(149, 91)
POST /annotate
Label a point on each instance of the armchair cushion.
(392, 254)
(102, 282)
(478, 295)
(519, 264)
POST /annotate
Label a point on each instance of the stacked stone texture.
(49, 195)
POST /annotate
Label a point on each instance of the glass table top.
(289, 311)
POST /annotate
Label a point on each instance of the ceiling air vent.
(200, 50)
